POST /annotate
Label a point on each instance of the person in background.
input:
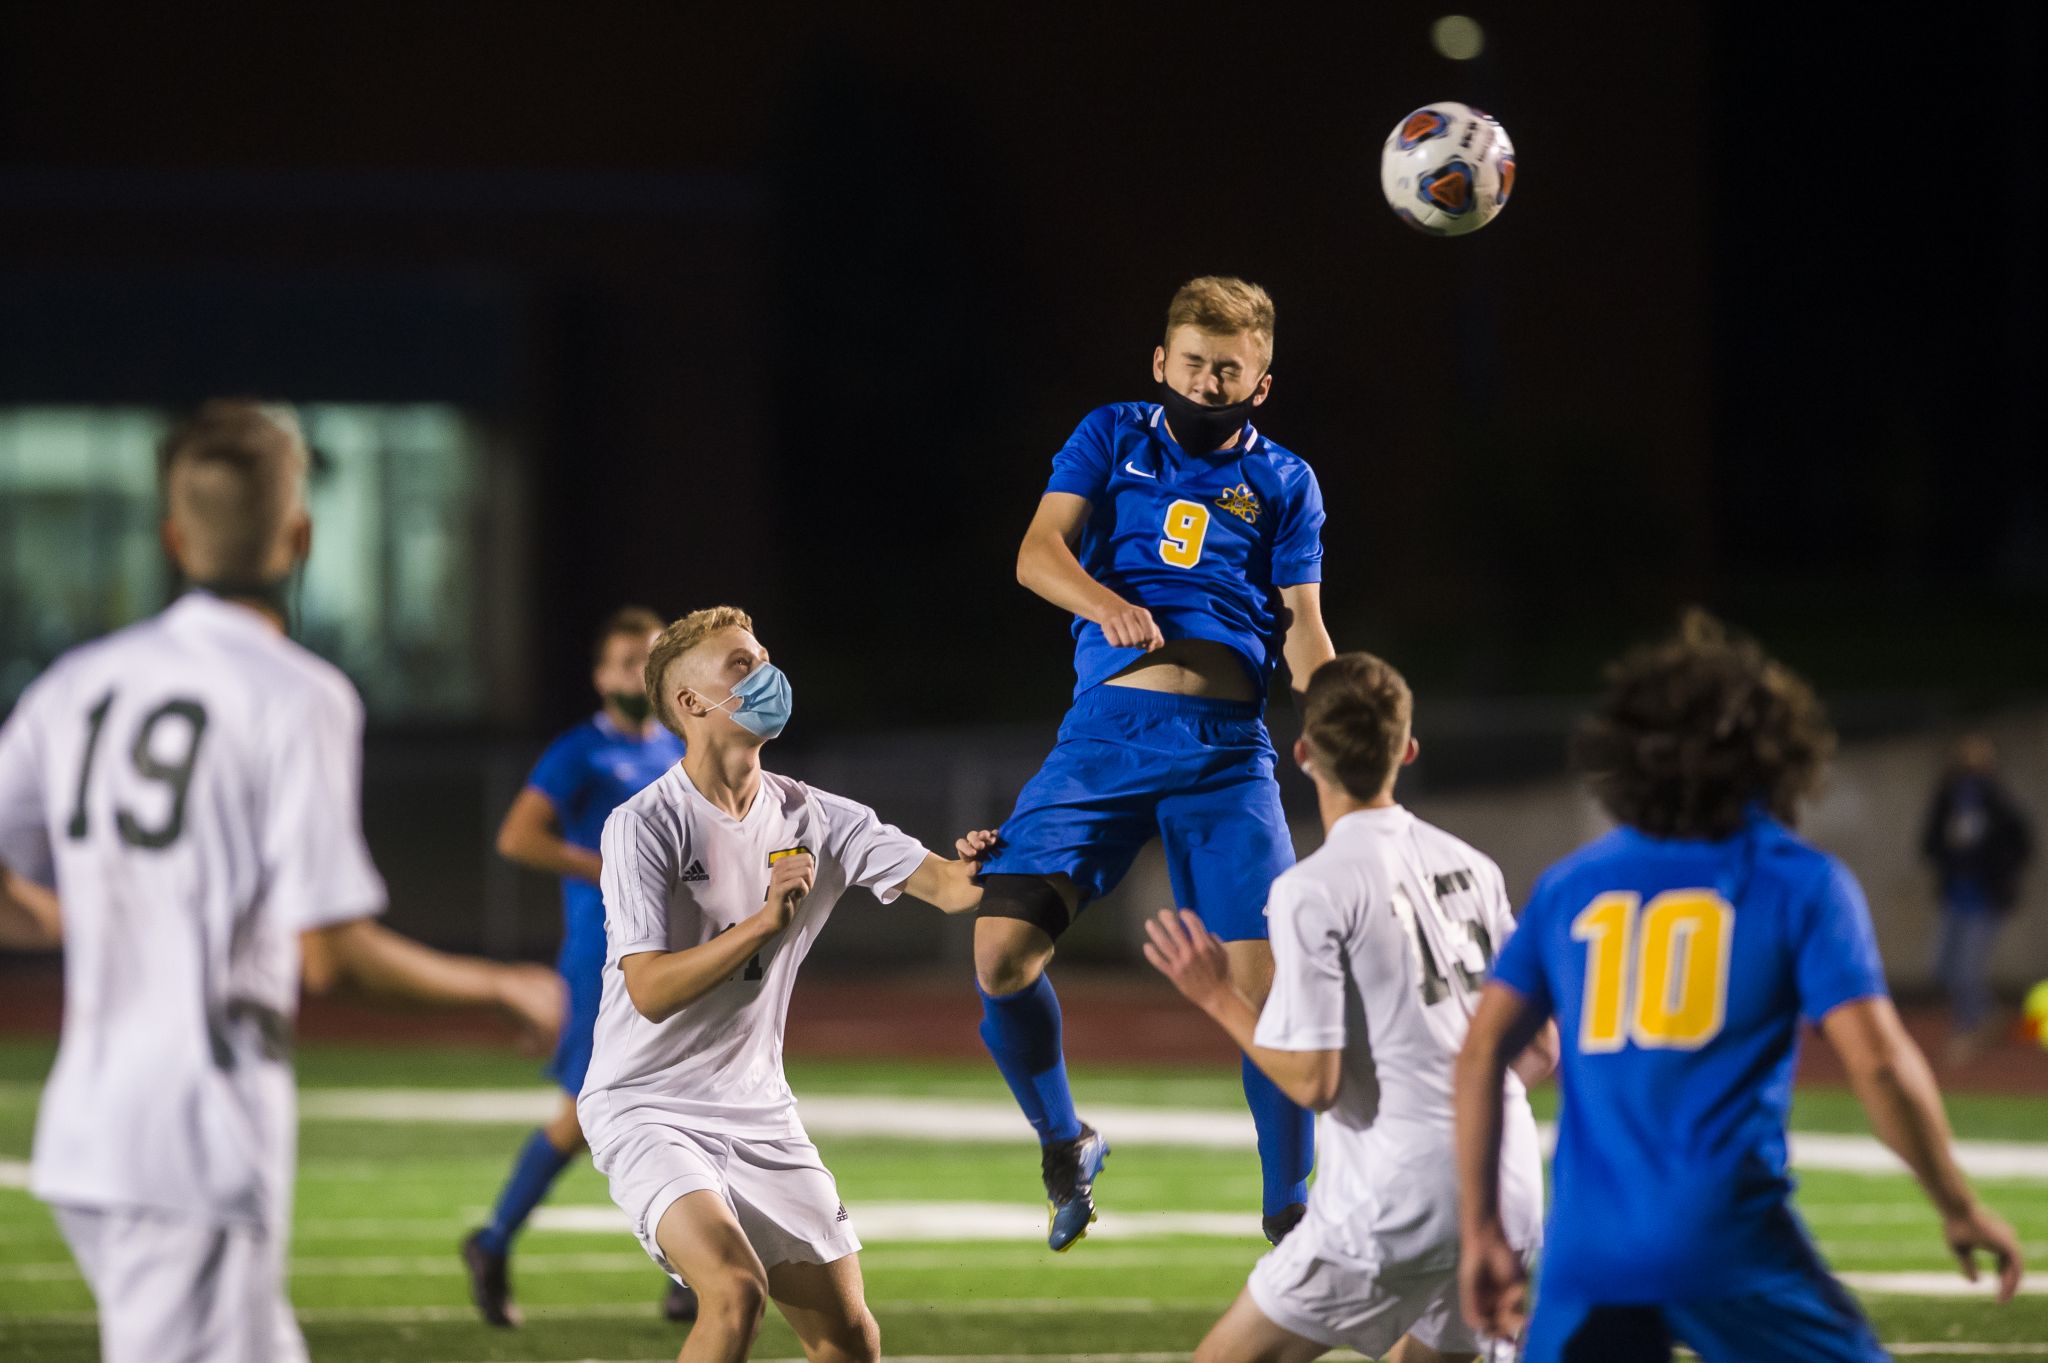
(554, 826)
(1979, 841)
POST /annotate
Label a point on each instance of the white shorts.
(175, 1290)
(1305, 1288)
(779, 1190)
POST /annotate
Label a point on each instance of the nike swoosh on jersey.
(1129, 467)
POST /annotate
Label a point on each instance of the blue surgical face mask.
(760, 702)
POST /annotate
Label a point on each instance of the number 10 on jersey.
(1658, 977)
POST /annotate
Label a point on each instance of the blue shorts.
(584, 976)
(1129, 764)
(1801, 1320)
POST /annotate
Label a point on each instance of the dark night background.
(789, 306)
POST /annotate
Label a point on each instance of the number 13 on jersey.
(1658, 977)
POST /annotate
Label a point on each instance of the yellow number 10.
(1659, 977)
(1187, 525)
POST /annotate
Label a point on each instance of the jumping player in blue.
(554, 826)
(1679, 955)
(1188, 547)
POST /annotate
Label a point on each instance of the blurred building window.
(402, 520)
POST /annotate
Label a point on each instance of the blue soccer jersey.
(586, 774)
(1204, 543)
(1678, 971)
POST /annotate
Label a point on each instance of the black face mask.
(634, 705)
(1199, 428)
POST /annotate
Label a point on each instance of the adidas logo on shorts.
(842, 1213)
(696, 875)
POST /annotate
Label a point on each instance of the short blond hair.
(679, 638)
(1224, 305)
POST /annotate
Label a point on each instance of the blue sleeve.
(1835, 956)
(560, 773)
(1298, 544)
(1082, 465)
(1520, 963)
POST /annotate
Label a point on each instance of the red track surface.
(1110, 1017)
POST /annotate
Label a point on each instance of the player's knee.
(1005, 970)
(732, 1299)
(1013, 939)
(859, 1341)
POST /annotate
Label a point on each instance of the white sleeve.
(874, 855)
(320, 869)
(1305, 1010)
(24, 830)
(1500, 911)
(638, 874)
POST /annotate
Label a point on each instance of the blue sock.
(1287, 1141)
(533, 1173)
(1022, 1032)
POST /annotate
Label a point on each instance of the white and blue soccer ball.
(1447, 169)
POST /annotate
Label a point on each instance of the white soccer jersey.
(192, 787)
(1381, 942)
(677, 872)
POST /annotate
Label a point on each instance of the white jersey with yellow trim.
(677, 872)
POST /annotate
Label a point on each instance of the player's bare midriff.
(1189, 667)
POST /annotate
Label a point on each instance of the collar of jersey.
(1386, 818)
(760, 798)
(199, 604)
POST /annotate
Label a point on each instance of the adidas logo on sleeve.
(696, 874)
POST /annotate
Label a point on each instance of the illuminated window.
(401, 522)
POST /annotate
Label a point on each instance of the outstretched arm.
(362, 956)
(29, 919)
(1046, 564)
(532, 836)
(1493, 1281)
(949, 885)
(1192, 957)
(1892, 1081)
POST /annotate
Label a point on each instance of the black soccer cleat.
(1070, 1168)
(1279, 1223)
(490, 1285)
(680, 1305)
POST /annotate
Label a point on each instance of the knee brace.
(1030, 899)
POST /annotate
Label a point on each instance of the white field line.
(898, 1222)
(945, 1221)
(13, 1173)
(948, 1119)
(646, 1308)
(1935, 1284)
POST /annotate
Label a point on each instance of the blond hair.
(1223, 305)
(679, 638)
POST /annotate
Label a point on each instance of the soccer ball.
(2034, 1016)
(1447, 169)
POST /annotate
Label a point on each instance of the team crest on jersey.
(1241, 502)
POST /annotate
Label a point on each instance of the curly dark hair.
(1699, 727)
